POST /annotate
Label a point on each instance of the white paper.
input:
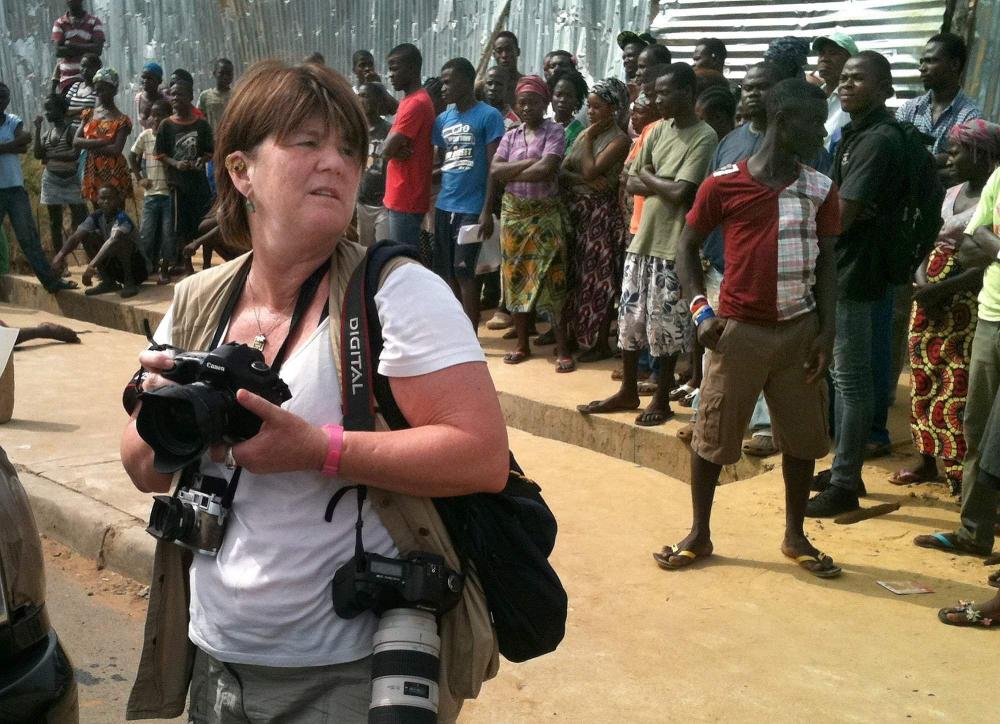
(8, 336)
(489, 253)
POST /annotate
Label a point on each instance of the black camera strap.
(306, 295)
(362, 490)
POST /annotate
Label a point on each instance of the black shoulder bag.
(505, 537)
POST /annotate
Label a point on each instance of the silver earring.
(250, 207)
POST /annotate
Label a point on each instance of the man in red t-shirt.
(408, 148)
(775, 327)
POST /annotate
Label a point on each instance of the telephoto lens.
(405, 668)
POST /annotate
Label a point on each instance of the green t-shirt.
(987, 214)
(678, 155)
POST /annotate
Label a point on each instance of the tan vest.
(469, 654)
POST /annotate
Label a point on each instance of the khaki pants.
(373, 224)
(751, 358)
(240, 693)
(979, 499)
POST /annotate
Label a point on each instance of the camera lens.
(405, 668)
(180, 421)
(170, 519)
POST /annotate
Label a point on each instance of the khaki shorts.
(750, 358)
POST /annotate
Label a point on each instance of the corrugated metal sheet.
(896, 28)
(191, 33)
(982, 78)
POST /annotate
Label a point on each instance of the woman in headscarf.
(596, 240)
(102, 133)
(943, 320)
(531, 228)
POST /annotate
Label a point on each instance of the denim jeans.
(404, 228)
(854, 388)
(882, 366)
(156, 232)
(14, 201)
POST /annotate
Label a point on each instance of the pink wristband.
(334, 446)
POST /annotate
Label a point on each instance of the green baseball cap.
(842, 40)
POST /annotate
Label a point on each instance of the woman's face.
(105, 93)
(961, 162)
(599, 111)
(530, 107)
(565, 101)
(306, 184)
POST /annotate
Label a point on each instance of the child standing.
(156, 234)
(60, 181)
(373, 219)
(184, 144)
(212, 102)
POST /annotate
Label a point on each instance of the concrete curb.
(110, 537)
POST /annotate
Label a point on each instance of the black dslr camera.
(375, 583)
(181, 421)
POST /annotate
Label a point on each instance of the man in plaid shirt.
(775, 325)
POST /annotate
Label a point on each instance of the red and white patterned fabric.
(68, 29)
(771, 239)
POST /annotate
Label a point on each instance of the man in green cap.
(832, 52)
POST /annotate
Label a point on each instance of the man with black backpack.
(871, 171)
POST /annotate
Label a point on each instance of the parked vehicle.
(36, 677)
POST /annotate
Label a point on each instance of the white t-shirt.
(265, 599)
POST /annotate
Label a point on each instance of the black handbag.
(505, 537)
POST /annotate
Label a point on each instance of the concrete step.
(735, 614)
(533, 397)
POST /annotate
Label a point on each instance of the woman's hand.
(155, 363)
(286, 443)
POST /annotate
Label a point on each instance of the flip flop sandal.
(908, 477)
(565, 364)
(994, 579)
(688, 400)
(969, 616)
(942, 542)
(652, 419)
(805, 560)
(646, 388)
(873, 450)
(516, 357)
(546, 338)
(680, 392)
(760, 446)
(663, 558)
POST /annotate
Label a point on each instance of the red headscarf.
(532, 84)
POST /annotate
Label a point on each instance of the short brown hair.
(274, 98)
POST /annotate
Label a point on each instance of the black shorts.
(452, 260)
(191, 202)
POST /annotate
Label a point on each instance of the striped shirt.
(80, 97)
(59, 143)
(153, 167)
(67, 29)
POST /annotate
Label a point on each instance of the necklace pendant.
(258, 342)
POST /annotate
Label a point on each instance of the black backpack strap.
(378, 256)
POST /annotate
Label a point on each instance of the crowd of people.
(747, 233)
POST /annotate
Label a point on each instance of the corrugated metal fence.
(896, 28)
(982, 78)
(191, 33)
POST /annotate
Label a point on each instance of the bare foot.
(683, 554)
(797, 547)
(654, 414)
(618, 402)
(48, 330)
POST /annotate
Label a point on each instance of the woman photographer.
(268, 643)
